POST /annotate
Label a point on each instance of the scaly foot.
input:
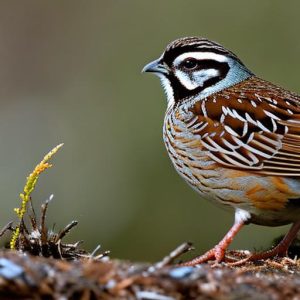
(218, 252)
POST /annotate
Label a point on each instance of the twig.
(6, 228)
(44, 208)
(65, 230)
(33, 219)
(167, 260)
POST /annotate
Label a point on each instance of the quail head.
(233, 137)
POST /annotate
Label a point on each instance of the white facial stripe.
(185, 79)
(200, 56)
(197, 78)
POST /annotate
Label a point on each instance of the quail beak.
(155, 67)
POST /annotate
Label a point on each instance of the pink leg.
(218, 252)
(282, 248)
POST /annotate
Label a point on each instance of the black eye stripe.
(204, 64)
(181, 92)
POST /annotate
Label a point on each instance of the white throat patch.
(166, 84)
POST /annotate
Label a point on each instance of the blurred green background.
(70, 72)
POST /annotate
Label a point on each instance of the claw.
(218, 252)
(279, 251)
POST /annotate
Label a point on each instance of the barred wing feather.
(246, 130)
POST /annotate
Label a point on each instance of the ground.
(23, 276)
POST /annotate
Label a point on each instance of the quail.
(233, 137)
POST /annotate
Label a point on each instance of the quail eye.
(190, 63)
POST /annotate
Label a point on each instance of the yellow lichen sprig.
(28, 189)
